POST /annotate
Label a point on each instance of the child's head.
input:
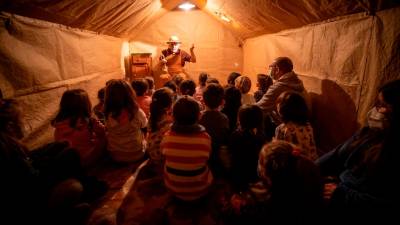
(171, 85)
(140, 86)
(292, 107)
(233, 98)
(203, 78)
(186, 111)
(160, 104)
(178, 79)
(212, 80)
(243, 83)
(74, 105)
(250, 117)
(288, 175)
(100, 94)
(150, 82)
(263, 81)
(187, 87)
(213, 96)
(232, 77)
(119, 96)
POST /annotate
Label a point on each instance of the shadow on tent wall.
(334, 116)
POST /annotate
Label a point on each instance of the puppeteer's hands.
(192, 48)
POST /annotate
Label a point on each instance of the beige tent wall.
(217, 50)
(40, 60)
(341, 63)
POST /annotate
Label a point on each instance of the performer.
(174, 59)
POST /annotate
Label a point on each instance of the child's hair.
(171, 85)
(232, 77)
(119, 96)
(250, 116)
(101, 94)
(264, 81)
(161, 101)
(288, 175)
(74, 105)
(233, 98)
(178, 79)
(150, 82)
(140, 86)
(213, 96)
(187, 87)
(186, 111)
(292, 107)
(212, 80)
(243, 83)
(203, 78)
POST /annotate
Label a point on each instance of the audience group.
(194, 135)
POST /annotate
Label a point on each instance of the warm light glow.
(225, 18)
(186, 6)
(125, 56)
(125, 49)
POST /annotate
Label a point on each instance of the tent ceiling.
(125, 18)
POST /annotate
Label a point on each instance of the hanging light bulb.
(186, 6)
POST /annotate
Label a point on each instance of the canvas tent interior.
(342, 50)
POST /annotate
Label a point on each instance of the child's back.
(75, 125)
(159, 124)
(187, 148)
(215, 122)
(295, 127)
(245, 145)
(141, 86)
(124, 121)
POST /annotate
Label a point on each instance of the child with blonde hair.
(243, 83)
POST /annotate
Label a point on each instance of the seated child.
(159, 122)
(233, 101)
(295, 127)
(201, 87)
(216, 124)
(99, 108)
(150, 83)
(289, 183)
(74, 123)
(124, 122)
(245, 145)
(186, 148)
(140, 86)
(263, 83)
(243, 83)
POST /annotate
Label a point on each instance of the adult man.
(174, 58)
(281, 70)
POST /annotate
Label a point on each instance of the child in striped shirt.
(187, 148)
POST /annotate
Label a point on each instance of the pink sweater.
(88, 142)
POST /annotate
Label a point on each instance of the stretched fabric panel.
(40, 60)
